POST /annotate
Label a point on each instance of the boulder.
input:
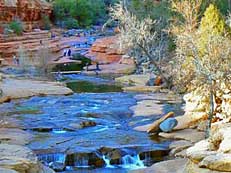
(218, 162)
(178, 146)
(170, 166)
(105, 50)
(5, 99)
(14, 136)
(18, 158)
(134, 80)
(154, 127)
(168, 124)
(15, 88)
(190, 119)
(194, 168)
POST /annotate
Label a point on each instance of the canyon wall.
(28, 11)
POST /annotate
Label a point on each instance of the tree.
(83, 12)
(142, 39)
(203, 58)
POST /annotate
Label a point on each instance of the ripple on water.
(110, 112)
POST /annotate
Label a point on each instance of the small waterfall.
(107, 162)
(58, 131)
(127, 162)
(78, 160)
(81, 162)
(132, 162)
(48, 158)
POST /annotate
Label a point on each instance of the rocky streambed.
(89, 131)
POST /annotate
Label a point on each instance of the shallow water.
(88, 132)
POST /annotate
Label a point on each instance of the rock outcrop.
(16, 89)
(16, 158)
(105, 51)
(213, 154)
(28, 11)
(29, 44)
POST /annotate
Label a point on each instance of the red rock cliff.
(28, 11)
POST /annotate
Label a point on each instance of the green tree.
(203, 58)
(16, 26)
(85, 12)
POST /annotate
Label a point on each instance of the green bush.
(70, 23)
(85, 12)
(16, 26)
(46, 22)
(212, 23)
(222, 5)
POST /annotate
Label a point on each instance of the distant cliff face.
(28, 11)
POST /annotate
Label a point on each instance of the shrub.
(16, 26)
(46, 22)
(212, 23)
(203, 59)
(71, 23)
(85, 12)
(141, 39)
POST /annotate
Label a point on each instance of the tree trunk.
(160, 72)
(211, 111)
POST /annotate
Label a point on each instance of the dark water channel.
(90, 131)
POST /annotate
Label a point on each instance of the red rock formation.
(105, 50)
(28, 11)
(29, 42)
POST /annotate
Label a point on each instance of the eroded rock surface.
(28, 11)
(15, 88)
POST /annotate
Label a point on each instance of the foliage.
(224, 6)
(188, 13)
(142, 39)
(71, 23)
(16, 26)
(206, 65)
(147, 8)
(85, 12)
(212, 21)
(46, 22)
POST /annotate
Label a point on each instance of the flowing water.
(89, 131)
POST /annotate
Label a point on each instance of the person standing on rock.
(69, 52)
(65, 52)
(97, 66)
(15, 60)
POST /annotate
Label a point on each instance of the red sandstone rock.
(28, 11)
(9, 46)
(105, 50)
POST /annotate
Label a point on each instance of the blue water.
(60, 136)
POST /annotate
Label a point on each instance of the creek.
(89, 131)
